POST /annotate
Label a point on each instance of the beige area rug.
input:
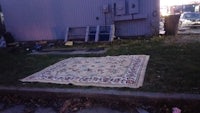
(110, 71)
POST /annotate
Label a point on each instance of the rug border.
(143, 71)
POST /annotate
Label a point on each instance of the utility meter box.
(120, 7)
(133, 6)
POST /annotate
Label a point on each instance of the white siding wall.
(47, 19)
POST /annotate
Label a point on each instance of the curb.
(96, 92)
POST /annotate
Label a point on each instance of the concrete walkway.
(105, 92)
(75, 52)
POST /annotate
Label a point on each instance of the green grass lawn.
(174, 64)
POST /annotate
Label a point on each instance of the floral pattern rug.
(109, 71)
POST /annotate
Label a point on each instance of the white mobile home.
(29, 20)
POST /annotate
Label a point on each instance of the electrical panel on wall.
(105, 8)
(133, 6)
(120, 7)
